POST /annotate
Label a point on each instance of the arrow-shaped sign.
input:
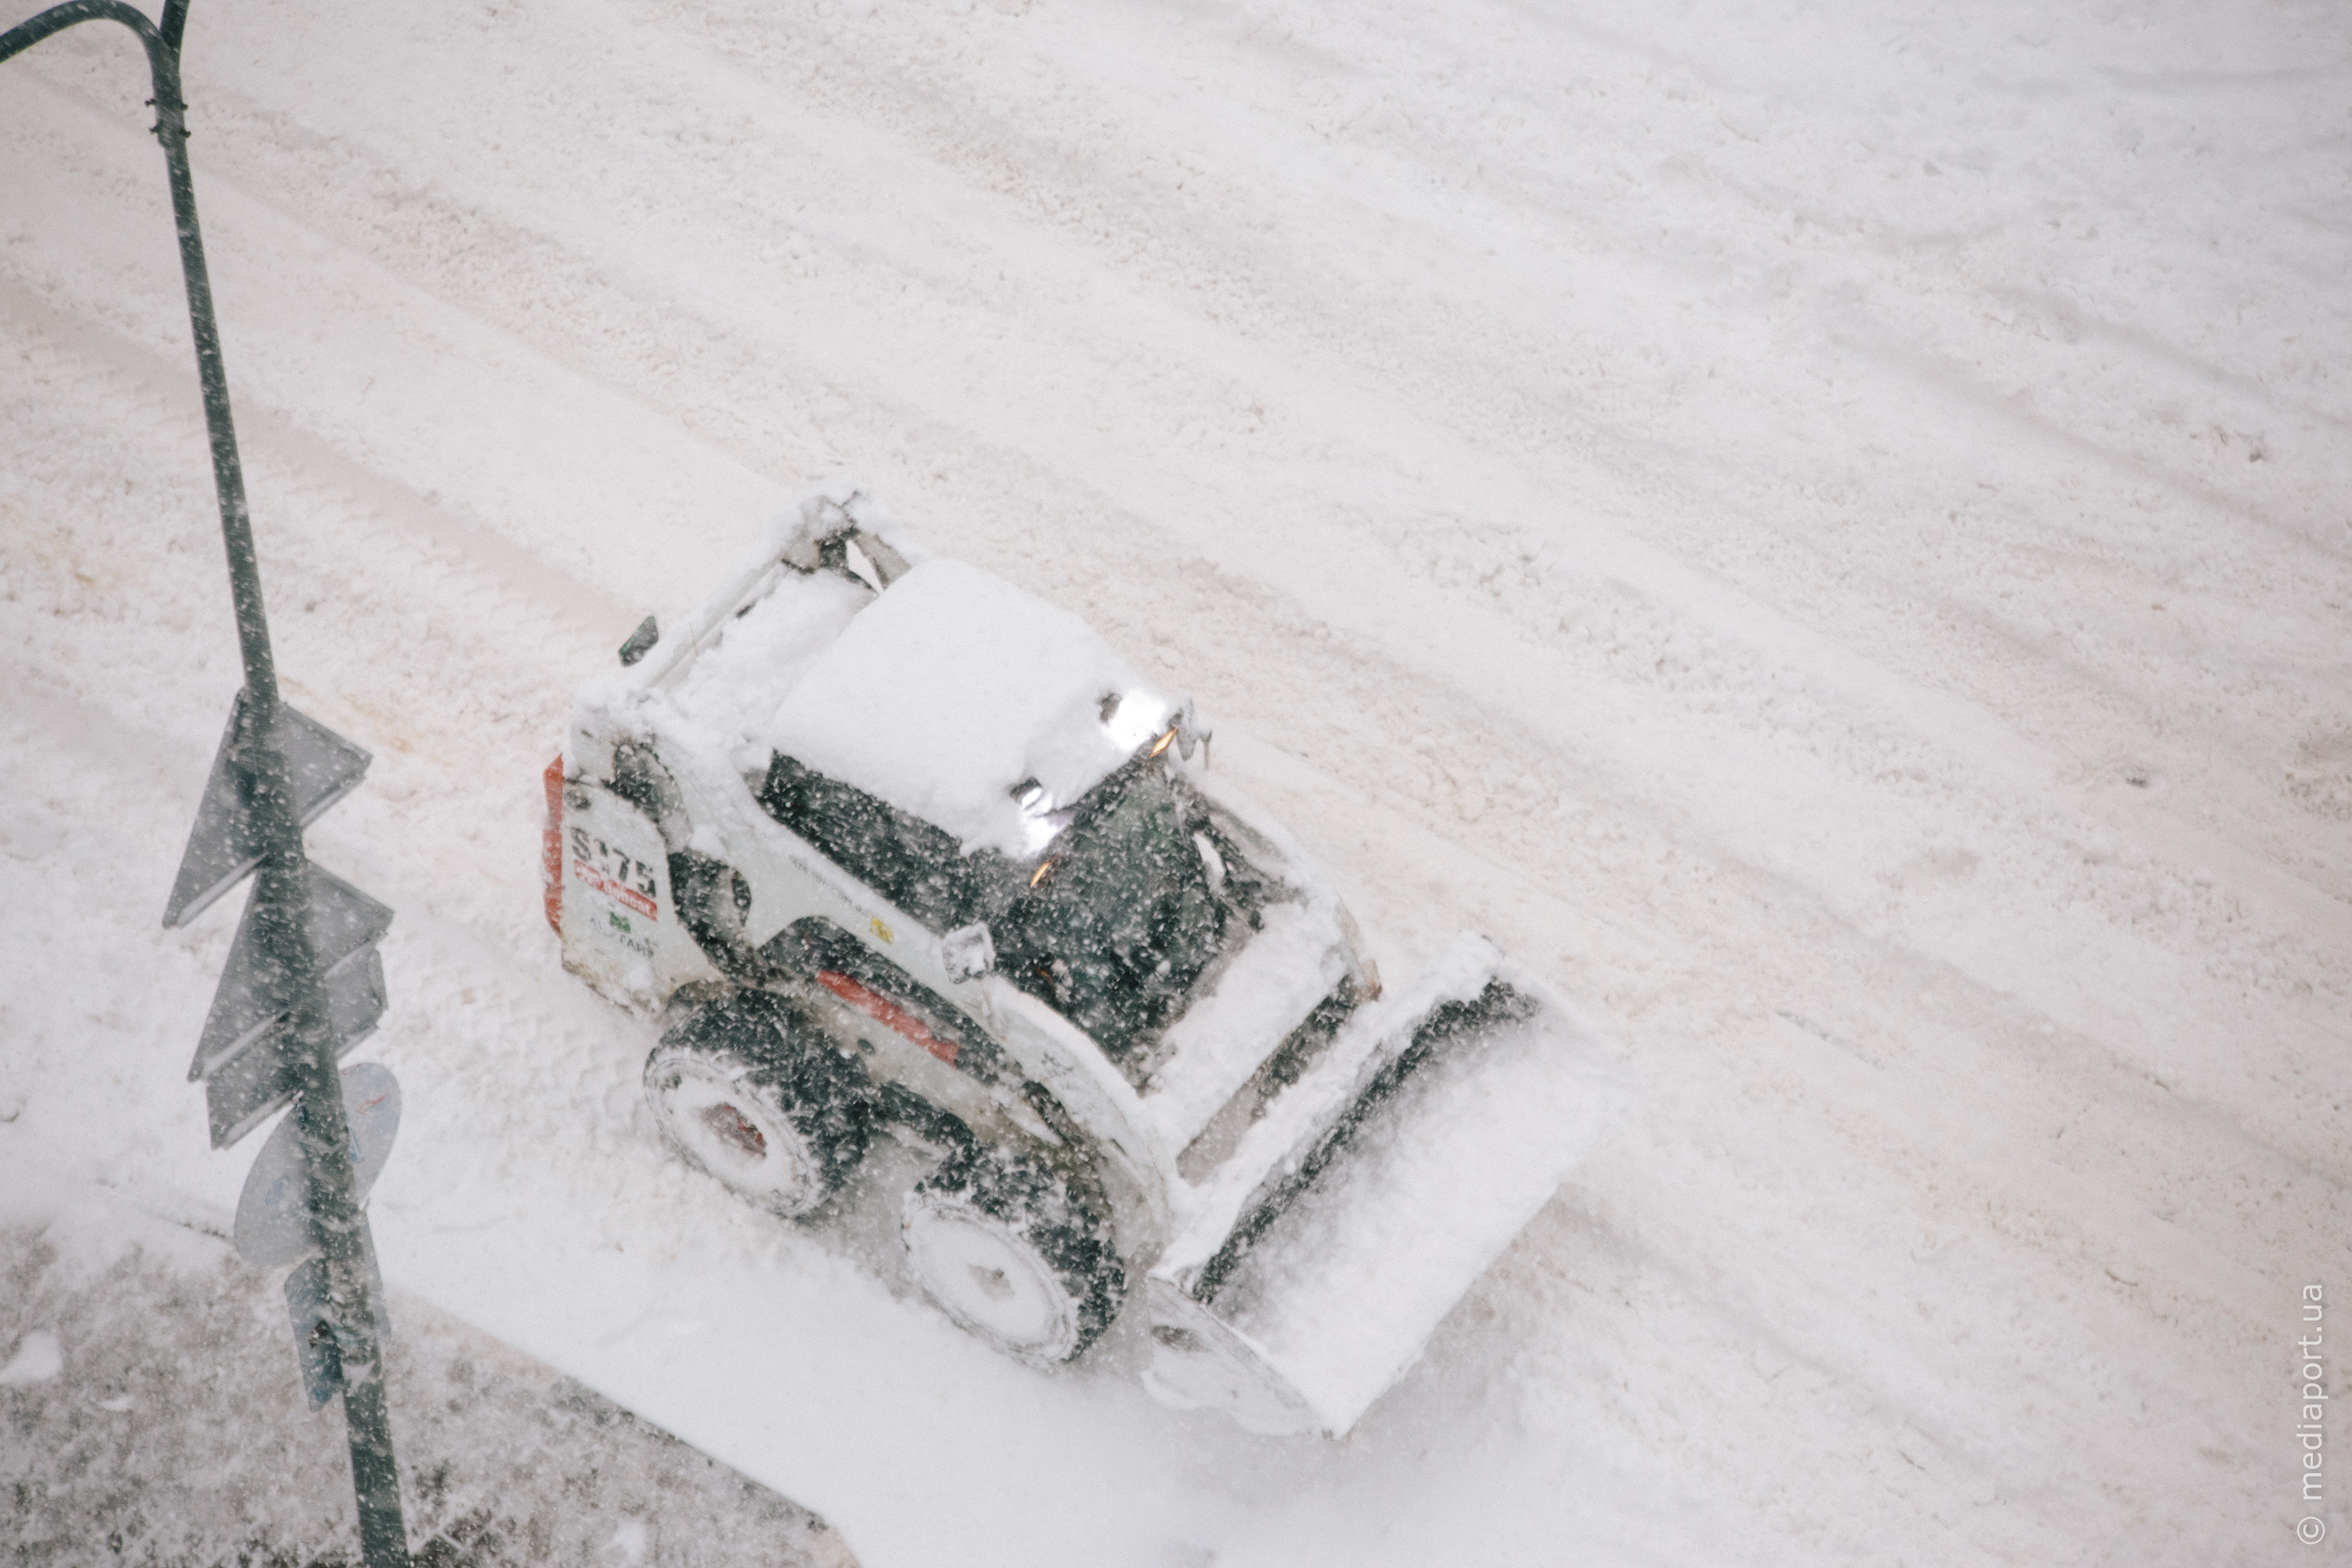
(242, 1058)
(225, 843)
(253, 992)
(243, 1091)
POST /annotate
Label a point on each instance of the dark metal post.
(283, 894)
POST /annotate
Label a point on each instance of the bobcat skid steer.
(905, 851)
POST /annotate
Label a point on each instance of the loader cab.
(977, 757)
(1113, 924)
(1128, 910)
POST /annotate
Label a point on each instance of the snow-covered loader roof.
(977, 707)
(955, 695)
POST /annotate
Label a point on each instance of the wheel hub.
(730, 1127)
(990, 1280)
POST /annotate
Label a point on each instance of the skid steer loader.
(906, 852)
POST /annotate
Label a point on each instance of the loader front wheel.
(1014, 1254)
(749, 1093)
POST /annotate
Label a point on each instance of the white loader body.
(854, 747)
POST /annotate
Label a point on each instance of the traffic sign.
(243, 1090)
(242, 1058)
(273, 1222)
(252, 998)
(227, 843)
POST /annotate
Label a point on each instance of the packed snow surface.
(39, 1357)
(1822, 531)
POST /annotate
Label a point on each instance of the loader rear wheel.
(751, 1093)
(1014, 1254)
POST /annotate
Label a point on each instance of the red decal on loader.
(621, 891)
(550, 845)
(882, 1010)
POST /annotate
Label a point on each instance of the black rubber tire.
(750, 1091)
(983, 1211)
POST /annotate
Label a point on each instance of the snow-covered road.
(1826, 535)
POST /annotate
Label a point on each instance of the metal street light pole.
(287, 968)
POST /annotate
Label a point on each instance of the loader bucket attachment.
(1373, 1193)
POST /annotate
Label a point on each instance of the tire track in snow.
(1678, 1187)
(325, 471)
(472, 218)
(452, 1006)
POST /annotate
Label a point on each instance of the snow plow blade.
(1373, 1193)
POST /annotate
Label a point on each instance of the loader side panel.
(618, 913)
(887, 994)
